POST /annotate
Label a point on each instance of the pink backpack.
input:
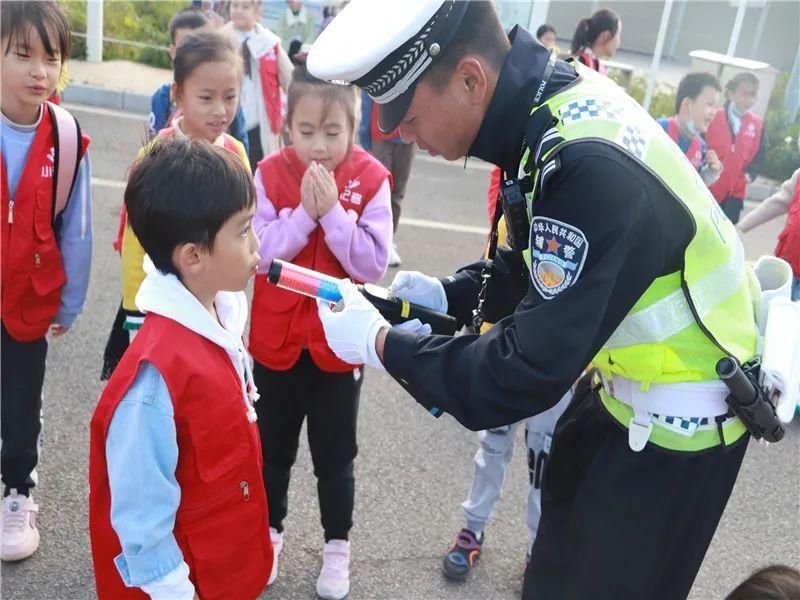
(68, 144)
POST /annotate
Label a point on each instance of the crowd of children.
(249, 160)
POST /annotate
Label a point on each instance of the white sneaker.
(20, 536)
(394, 257)
(277, 544)
(333, 582)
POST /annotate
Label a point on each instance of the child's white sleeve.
(175, 585)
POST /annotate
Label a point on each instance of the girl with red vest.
(597, 38)
(46, 243)
(785, 200)
(176, 504)
(207, 74)
(323, 203)
(736, 136)
(268, 71)
(695, 104)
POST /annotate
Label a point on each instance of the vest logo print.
(558, 253)
(348, 195)
(47, 170)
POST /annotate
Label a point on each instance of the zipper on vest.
(245, 491)
(11, 211)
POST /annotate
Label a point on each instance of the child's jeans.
(22, 365)
(329, 402)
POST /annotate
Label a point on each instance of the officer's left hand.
(351, 332)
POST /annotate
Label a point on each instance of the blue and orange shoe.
(462, 555)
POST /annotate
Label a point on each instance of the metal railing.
(111, 40)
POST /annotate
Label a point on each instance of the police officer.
(625, 263)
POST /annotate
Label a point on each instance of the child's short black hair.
(188, 18)
(739, 79)
(544, 29)
(181, 191)
(692, 85)
(47, 17)
(777, 582)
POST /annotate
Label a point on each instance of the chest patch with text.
(558, 252)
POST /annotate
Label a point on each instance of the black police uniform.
(615, 524)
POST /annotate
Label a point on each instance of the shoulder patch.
(558, 252)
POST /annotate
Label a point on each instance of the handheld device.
(318, 285)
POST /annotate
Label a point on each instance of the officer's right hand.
(420, 289)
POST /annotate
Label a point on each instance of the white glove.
(420, 289)
(351, 333)
(415, 326)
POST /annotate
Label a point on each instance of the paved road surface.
(412, 471)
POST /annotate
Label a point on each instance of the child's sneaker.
(277, 543)
(394, 257)
(462, 555)
(334, 578)
(20, 536)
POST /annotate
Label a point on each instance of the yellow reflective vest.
(662, 339)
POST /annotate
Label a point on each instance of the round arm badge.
(558, 251)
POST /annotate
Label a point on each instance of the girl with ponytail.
(596, 38)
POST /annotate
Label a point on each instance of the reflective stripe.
(671, 315)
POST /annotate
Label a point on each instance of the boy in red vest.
(695, 104)
(267, 73)
(46, 242)
(736, 135)
(394, 154)
(177, 506)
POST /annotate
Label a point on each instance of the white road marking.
(107, 112)
(118, 185)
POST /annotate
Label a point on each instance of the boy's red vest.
(735, 154)
(271, 89)
(695, 150)
(222, 522)
(284, 323)
(788, 247)
(32, 268)
(229, 143)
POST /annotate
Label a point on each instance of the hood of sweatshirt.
(165, 295)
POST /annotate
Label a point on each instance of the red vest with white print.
(735, 154)
(32, 268)
(695, 150)
(271, 88)
(788, 247)
(283, 323)
(222, 523)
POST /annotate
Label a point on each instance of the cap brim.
(390, 115)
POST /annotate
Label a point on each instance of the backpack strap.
(67, 148)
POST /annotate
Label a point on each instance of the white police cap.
(383, 47)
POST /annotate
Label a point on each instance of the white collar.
(165, 295)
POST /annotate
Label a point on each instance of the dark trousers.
(255, 151)
(397, 157)
(732, 207)
(22, 365)
(621, 524)
(329, 403)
